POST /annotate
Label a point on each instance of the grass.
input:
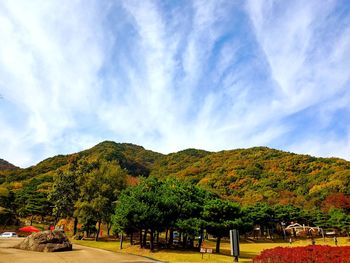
(248, 249)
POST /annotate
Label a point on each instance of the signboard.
(203, 250)
(209, 250)
(234, 240)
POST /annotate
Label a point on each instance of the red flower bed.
(309, 254)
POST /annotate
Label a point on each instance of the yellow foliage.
(4, 191)
(332, 185)
(17, 185)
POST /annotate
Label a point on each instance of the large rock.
(46, 241)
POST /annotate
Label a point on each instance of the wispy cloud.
(301, 43)
(171, 75)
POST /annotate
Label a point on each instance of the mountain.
(258, 174)
(135, 159)
(261, 174)
(5, 165)
(176, 162)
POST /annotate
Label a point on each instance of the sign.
(234, 240)
(203, 250)
(209, 250)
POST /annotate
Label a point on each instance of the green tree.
(260, 214)
(99, 184)
(7, 206)
(139, 208)
(30, 201)
(220, 217)
(339, 219)
(64, 194)
(182, 205)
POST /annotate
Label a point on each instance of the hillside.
(247, 176)
(5, 165)
(261, 174)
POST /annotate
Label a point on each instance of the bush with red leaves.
(308, 254)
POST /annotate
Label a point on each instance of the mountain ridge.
(5, 165)
(257, 174)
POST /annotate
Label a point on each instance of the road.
(79, 254)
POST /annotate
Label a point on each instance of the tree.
(139, 208)
(153, 206)
(221, 216)
(100, 184)
(182, 206)
(339, 219)
(64, 194)
(286, 214)
(30, 201)
(261, 214)
(7, 206)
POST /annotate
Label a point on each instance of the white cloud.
(302, 43)
(50, 58)
(166, 77)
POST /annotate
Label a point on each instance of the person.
(335, 240)
(313, 241)
(290, 240)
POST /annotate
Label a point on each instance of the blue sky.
(170, 75)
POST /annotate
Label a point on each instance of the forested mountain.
(5, 165)
(266, 175)
(247, 176)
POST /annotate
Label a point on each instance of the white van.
(9, 234)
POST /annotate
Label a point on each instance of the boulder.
(46, 241)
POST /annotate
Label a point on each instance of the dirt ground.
(79, 254)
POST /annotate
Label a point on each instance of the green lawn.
(248, 250)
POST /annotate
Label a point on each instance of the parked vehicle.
(8, 234)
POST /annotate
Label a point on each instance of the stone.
(46, 241)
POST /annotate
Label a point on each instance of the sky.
(172, 74)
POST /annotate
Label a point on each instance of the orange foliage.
(17, 185)
(132, 180)
(336, 200)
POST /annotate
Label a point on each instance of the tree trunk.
(218, 240)
(144, 238)
(184, 241)
(75, 228)
(141, 244)
(152, 240)
(191, 242)
(157, 240)
(200, 241)
(171, 237)
(5, 224)
(109, 226)
(166, 236)
(31, 220)
(121, 241)
(98, 231)
(132, 238)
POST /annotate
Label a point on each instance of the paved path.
(79, 254)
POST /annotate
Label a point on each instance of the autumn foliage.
(308, 254)
(336, 200)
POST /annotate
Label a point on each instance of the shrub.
(308, 254)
